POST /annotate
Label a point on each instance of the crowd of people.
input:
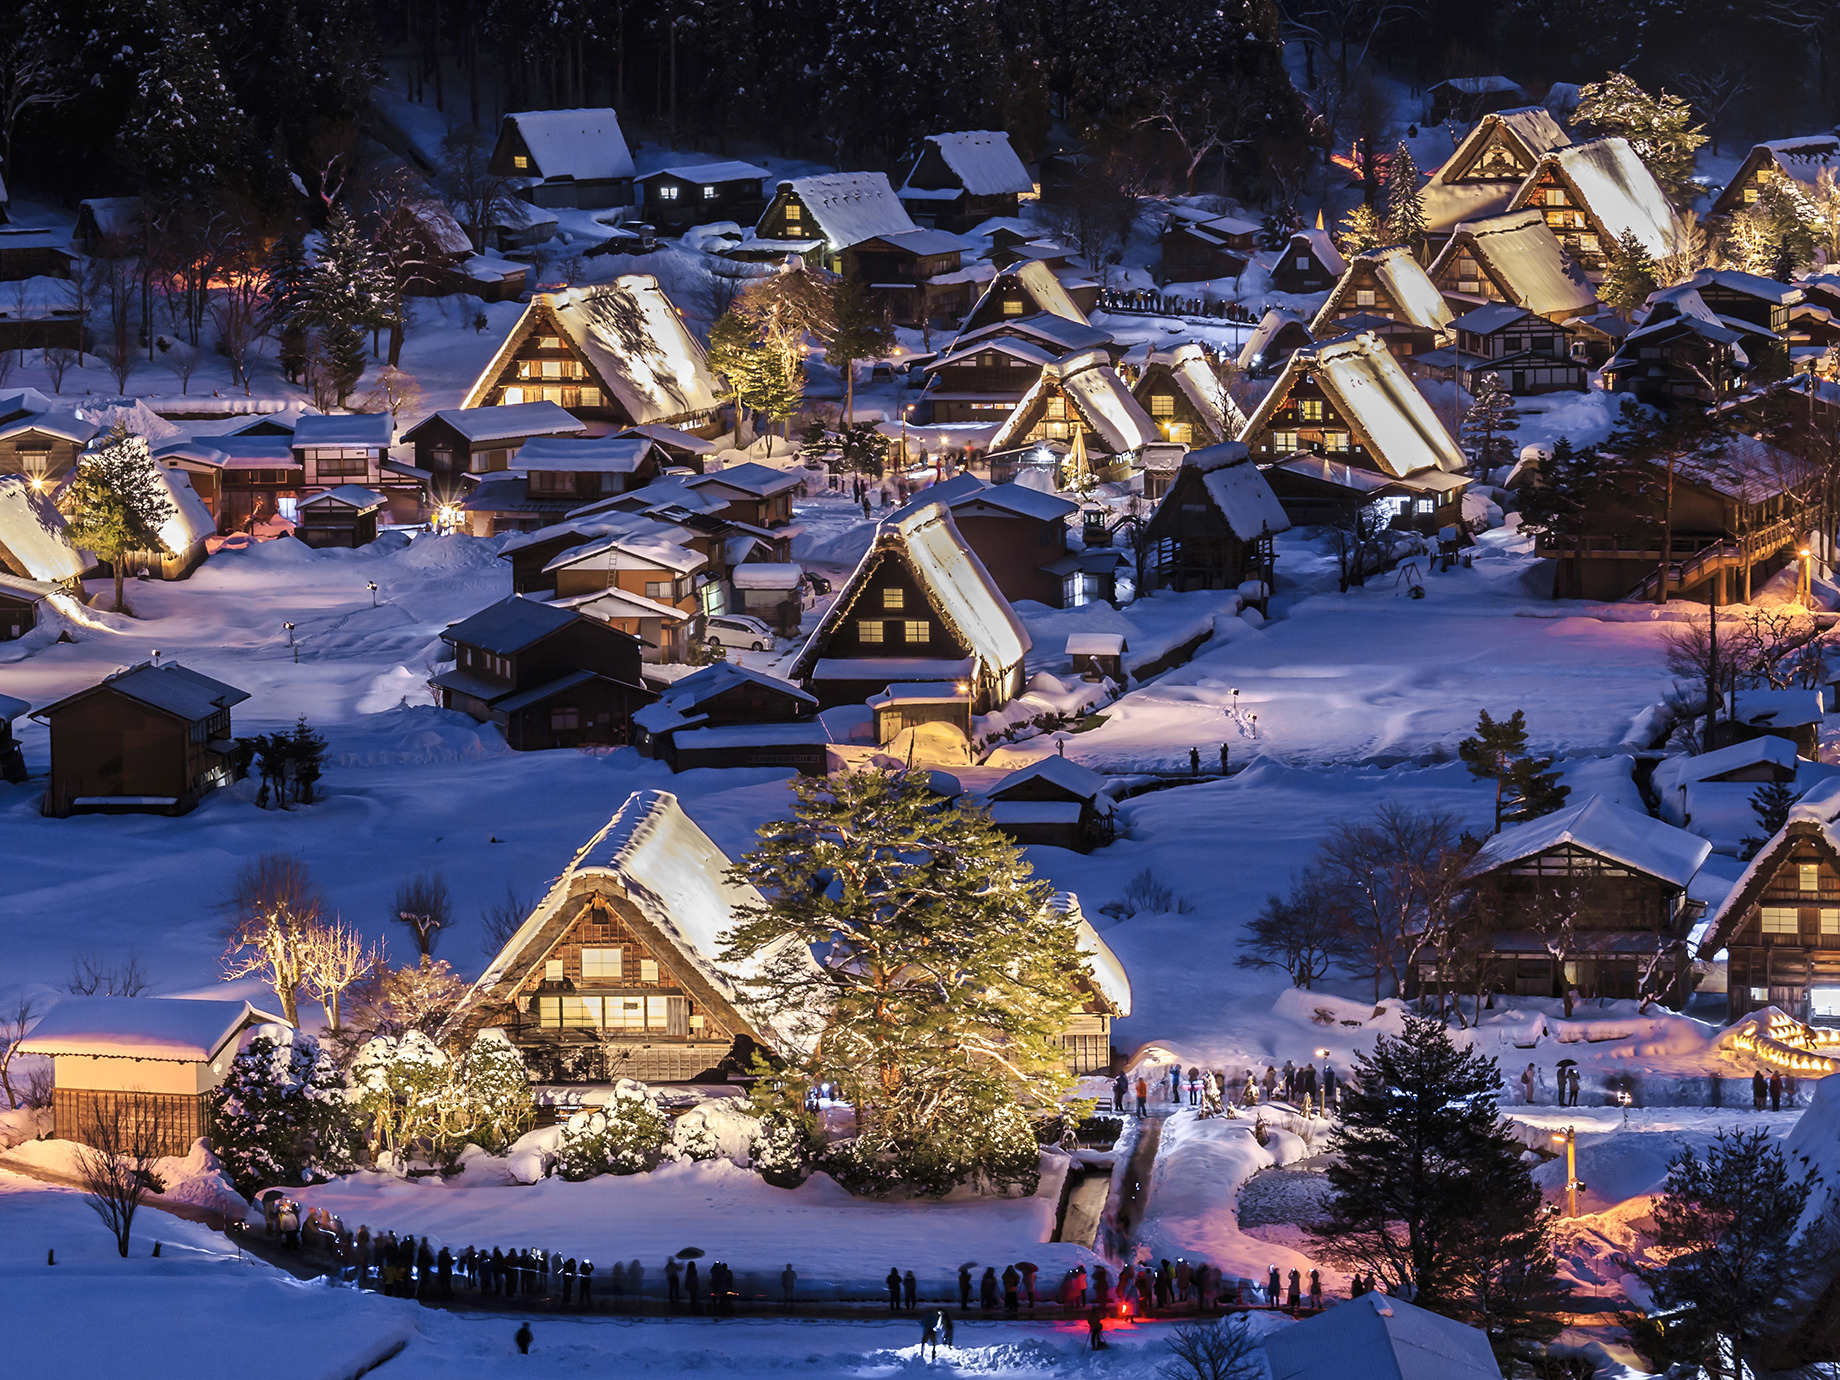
(1213, 1092)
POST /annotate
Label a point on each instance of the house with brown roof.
(1213, 529)
(1485, 170)
(1196, 247)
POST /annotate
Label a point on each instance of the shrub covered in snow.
(405, 1087)
(627, 1136)
(719, 1129)
(499, 1102)
(281, 1116)
(994, 1151)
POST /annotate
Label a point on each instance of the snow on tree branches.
(117, 504)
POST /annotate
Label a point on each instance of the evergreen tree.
(1629, 277)
(1491, 419)
(183, 130)
(306, 759)
(287, 283)
(1428, 1190)
(117, 503)
(1405, 204)
(946, 982)
(1359, 231)
(1775, 235)
(347, 294)
(1725, 1228)
(1659, 128)
(500, 1102)
(1491, 754)
(1532, 789)
(787, 1145)
(1770, 802)
(280, 1115)
(858, 330)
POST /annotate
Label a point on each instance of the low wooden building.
(1098, 656)
(1513, 258)
(914, 277)
(20, 601)
(136, 1074)
(1055, 803)
(29, 252)
(1386, 282)
(1197, 248)
(920, 606)
(1604, 885)
(983, 380)
(12, 759)
(1214, 528)
(676, 198)
(722, 695)
(347, 449)
(459, 441)
(962, 179)
(616, 354)
(1018, 533)
(108, 227)
(616, 973)
(1104, 990)
(1794, 716)
(1309, 263)
(1278, 336)
(344, 517)
(756, 494)
(1025, 289)
(1184, 396)
(772, 591)
(1527, 354)
(920, 708)
(573, 158)
(39, 438)
(152, 738)
(821, 216)
(1798, 160)
(1593, 194)
(549, 677)
(1779, 927)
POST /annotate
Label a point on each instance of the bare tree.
(1223, 1350)
(92, 975)
(1302, 933)
(183, 359)
(1714, 86)
(396, 391)
(393, 1001)
(1356, 535)
(425, 908)
(336, 959)
(58, 360)
(504, 917)
(13, 1027)
(115, 1161)
(477, 197)
(33, 75)
(274, 907)
(719, 282)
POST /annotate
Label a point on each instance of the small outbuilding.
(675, 198)
(574, 158)
(1054, 802)
(20, 601)
(915, 704)
(1098, 656)
(772, 591)
(346, 516)
(142, 1068)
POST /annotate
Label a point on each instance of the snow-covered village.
(1012, 688)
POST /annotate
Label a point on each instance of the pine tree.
(1428, 1189)
(306, 759)
(1629, 277)
(501, 1104)
(1770, 803)
(1486, 427)
(1532, 789)
(1405, 204)
(1725, 1226)
(280, 1116)
(1360, 231)
(947, 978)
(117, 503)
(858, 330)
(1659, 128)
(1492, 753)
(347, 294)
(183, 130)
(287, 280)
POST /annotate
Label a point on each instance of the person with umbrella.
(1029, 1270)
(1012, 1297)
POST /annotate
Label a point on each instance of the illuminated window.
(1810, 874)
(1012, 306)
(519, 161)
(1162, 405)
(552, 368)
(1830, 920)
(709, 194)
(549, 1012)
(1750, 196)
(581, 1013)
(1057, 408)
(916, 630)
(1180, 433)
(894, 598)
(1555, 196)
(648, 970)
(549, 342)
(624, 1013)
(657, 1012)
(590, 396)
(868, 630)
(667, 194)
(1309, 409)
(1335, 441)
(1364, 297)
(792, 211)
(601, 963)
(513, 396)
(1283, 441)
(1781, 920)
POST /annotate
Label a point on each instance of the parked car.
(820, 585)
(628, 237)
(739, 630)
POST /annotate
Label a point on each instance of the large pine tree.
(1405, 205)
(346, 294)
(1488, 427)
(117, 503)
(945, 978)
(1429, 1191)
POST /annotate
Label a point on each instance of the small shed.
(1098, 656)
(1795, 715)
(345, 516)
(803, 746)
(139, 1065)
(1054, 802)
(19, 604)
(909, 704)
(723, 695)
(772, 591)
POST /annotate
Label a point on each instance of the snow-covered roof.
(1069, 776)
(11, 708)
(1047, 291)
(1812, 816)
(630, 551)
(1610, 831)
(1189, 369)
(1108, 975)
(33, 536)
(1096, 644)
(1063, 334)
(507, 422)
(1235, 486)
(113, 216)
(1323, 247)
(1379, 1337)
(678, 704)
(1450, 203)
(354, 496)
(1259, 339)
(1521, 252)
(1732, 280)
(1093, 385)
(1681, 771)
(1013, 497)
(671, 438)
(983, 162)
(851, 207)
(586, 145)
(1778, 708)
(1617, 187)
(610, 604)
(674, 876)
(952, 579)
(766, 575)
(749, 477)
(190, 521)
(509, 626)
(171, 688)
(1531, 128)
(1479, 86)
(706, 173)
(582, 454)
(1370, 391)
(368, 429)
(1404, 280)
(29, 410)
(176, 1029)
(1490, 317)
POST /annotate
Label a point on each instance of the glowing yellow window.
(869, 630)
(519, 161)
(1309, 409)
(917, 630)
(894, 598)
(1162, 405)
(1781, 920)
(1810, 874)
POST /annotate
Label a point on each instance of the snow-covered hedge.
(627, 1136)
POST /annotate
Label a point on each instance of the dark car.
(628, 237)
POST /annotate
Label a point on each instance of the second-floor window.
(916, 630)
(1309, 409)
(894, 598)
(869, 630)
(1781, 920)
(600, 964)
(1162, 405)
(1809, 875)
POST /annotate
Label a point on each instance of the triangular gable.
(1391, 270)
(1096, 398)
(1521, 256)
(1503, 147)
(540, 317)
(1729, 918)
(1186, 370)
(1614, 189)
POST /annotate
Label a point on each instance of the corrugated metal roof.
(510, 625)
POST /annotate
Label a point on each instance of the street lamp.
(1570, 1141)
(371, 585)
(906, 412)
(290, 633)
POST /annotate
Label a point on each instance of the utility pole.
(1667, 536)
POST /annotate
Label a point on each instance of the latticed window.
(1162, 405)
(601, 963)
(894, 598)
(869, 630)
(1781, 920)
(917, 630)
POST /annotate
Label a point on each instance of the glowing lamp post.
(1570, 1141)
(1802, 581)
(371, 585)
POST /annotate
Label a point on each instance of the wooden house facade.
(1025, 289)
(20, 602)
(727, 696)
(962, 179)
(920, 606)
(615, 973)
(1083, 397)
(1591, 195)
(550, 677)
(152, 738)
(1513, 258)
(137, 1073)
(459, 441)
(1213, 529)
(676, 198)
(983, 380)
(1197, 250)
(1388, 283)
(1185, 398)
(1309, 263)
(29, 252)
(345, 517)
(1780, 926)
(1488, 167)
(1018, 533)
(39, 439)
(1799, 160)
(573, 158)
(913, 276)
(1528, 354)
(819, 217)
(1055, 803)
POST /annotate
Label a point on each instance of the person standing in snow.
(1175, 1083)
(523, 1338)
(1527, 1077)
(1759, 1089)
(1316, 1290)
(987, 1289)
(788, 1285)
(1127, 1290)
(584, 1276)
(1273, 1288)
(1028, 1281)
(1290, 1080)
(1210, 1094)
(893, 1281)
(670, 1279)
(1143, 1096)
(964, 1288)
(1295, 1299)
(691, 1288)
(1269, 1083)
(1223, 759)
(1194, 1086)
(910, 1290)
(1194, 761)
(1308, 1090)
(1121, 1093)
(1183, 1277)
(1095, 1330)
(1571, 1085)
(1012, 1299)
(1775, 1091)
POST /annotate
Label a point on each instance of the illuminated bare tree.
(336, 959)
(115, 1162)
(274, 909)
